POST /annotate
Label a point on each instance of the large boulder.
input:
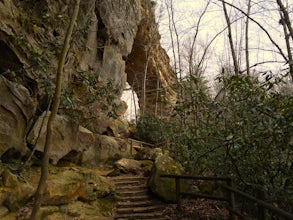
(3, 211)
(128, 166)
(132, 166)
(111, 149)
(76, 184)
(67, 136)
(118, 128)
(147, 153)
(164, 187)
(74, 143)
(16, 111)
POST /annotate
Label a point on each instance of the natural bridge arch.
(147, 56)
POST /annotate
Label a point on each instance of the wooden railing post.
(131, 147)
(231, 199)
(261, 210)
(178, 193)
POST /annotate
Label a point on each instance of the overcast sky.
(261, 49)
(187, 13)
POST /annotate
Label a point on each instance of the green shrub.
(149, 128)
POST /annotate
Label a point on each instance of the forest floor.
(199, 209)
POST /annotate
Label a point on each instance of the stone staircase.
(135, 202)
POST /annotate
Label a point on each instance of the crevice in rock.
(9, 63)
(37, 7)
(43, 103)
(73, 157)
(12, 69)
(102, 36)
(10, 154)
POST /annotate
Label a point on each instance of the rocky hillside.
(113, 42)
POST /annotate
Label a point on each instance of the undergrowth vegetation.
(245, 132)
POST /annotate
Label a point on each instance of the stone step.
(138, 216)
(147, 209)
(128, 183)
(123, 188)
(128, 204)
(129, 179)
(134, 198)
(135, 202)
(131, 193)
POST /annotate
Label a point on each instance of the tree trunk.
(235, 63)
(143, 104)
(286, 17)
(56, 101)
(246, 39)
(285, 22)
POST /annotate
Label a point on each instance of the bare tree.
(172, 21)
(279, 49)
(176, 51)
(56, 101)
(148, 50)
(195, 70)
(247, 38)
(286, 23)
(195, 36)
(233, 53)
(286, 17)
(288, 45)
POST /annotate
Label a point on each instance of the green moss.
(165, 187)
(106, 204)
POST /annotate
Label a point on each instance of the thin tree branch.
(56, 101)
(261, 27)
(260, 63)
(195, 37)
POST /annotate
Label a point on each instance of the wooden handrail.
(262, 203)
(141, 142)
(211, 178)
(231, 190)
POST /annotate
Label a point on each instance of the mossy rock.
(9, 179)
(107, 204)
(74, 184)
(163, 187)
(14, 194)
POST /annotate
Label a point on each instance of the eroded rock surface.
(108, 48)
(67, 137)
(74, 143)
(16, 112)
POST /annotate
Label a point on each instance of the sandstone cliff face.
(108, 47)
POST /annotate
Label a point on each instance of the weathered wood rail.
(227, 185)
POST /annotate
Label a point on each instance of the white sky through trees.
(261, 49)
